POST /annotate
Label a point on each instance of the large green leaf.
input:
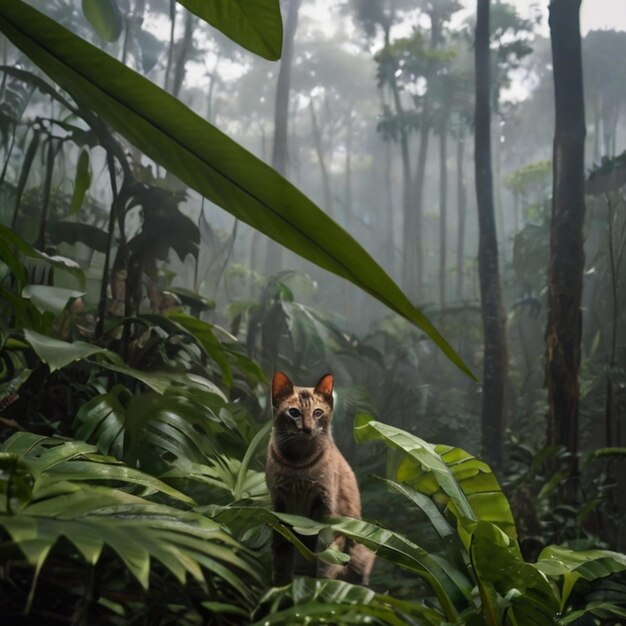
(75, 232)
(101, 421)
(104, 17)
(203, 157)
(451, 476)
(12, 245)
(254, 24)
(71, 496)
(451, 587)
(570, 566)
(50, 298)
(82, 181)
(600, 609)
(338, 602)
(56, 353)
(499, 567)
(137, 532)
(589, 564)
(52, 461)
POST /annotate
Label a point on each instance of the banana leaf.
(450, 476)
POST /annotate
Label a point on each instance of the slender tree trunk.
(566, 264)
(610, 113)
(613, 272)
(185, 49)
(210, 114)
(40, 243)
(170, 49)
(494, 361)
(499, 208)
(613, 134)
(443, 211)
(274, 253)
(597, 135)
(415, 234)
(410, 230)
(348, 173)
(317, 141)
(462, 206)
(389, 203)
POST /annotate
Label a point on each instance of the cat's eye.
(293, 412)
(318, 413)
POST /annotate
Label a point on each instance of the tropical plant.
(478, 575)
(78, 515)
(139, 495)
(201, 156)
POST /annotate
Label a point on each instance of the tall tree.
(410, 67)
(510, 36)
(566, 264)
(461, 199)
(439, 12)
(495, 358)
(605, 86)
(273, 259)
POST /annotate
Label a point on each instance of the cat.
(307, 475)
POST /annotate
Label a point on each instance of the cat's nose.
(306, 430)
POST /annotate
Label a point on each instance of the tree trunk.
(461, 206)
(597, 135)
(499, 208)
(317, 141)
(413, 234)
(274, 254)
(610, 115)
(170, 48)
(409, 242)
(494, 360)
(566, 264)
(210, 113)
(413, 229)
(443, 211)
(185, 49)
(348, 173)
(389, 203)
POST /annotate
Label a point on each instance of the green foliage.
(203, 157)
(533, 178)
(104, 17)
(157, 511)
(255, 25)
(315, 600)
(481, 578)
(54, 489)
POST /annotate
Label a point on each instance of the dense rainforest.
(425, 198)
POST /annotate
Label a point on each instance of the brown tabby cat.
(307, 475)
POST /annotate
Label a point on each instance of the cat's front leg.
(327, 539)
(282, 553)
(321, 511)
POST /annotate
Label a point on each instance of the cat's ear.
(325, 387)
(281, 387)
